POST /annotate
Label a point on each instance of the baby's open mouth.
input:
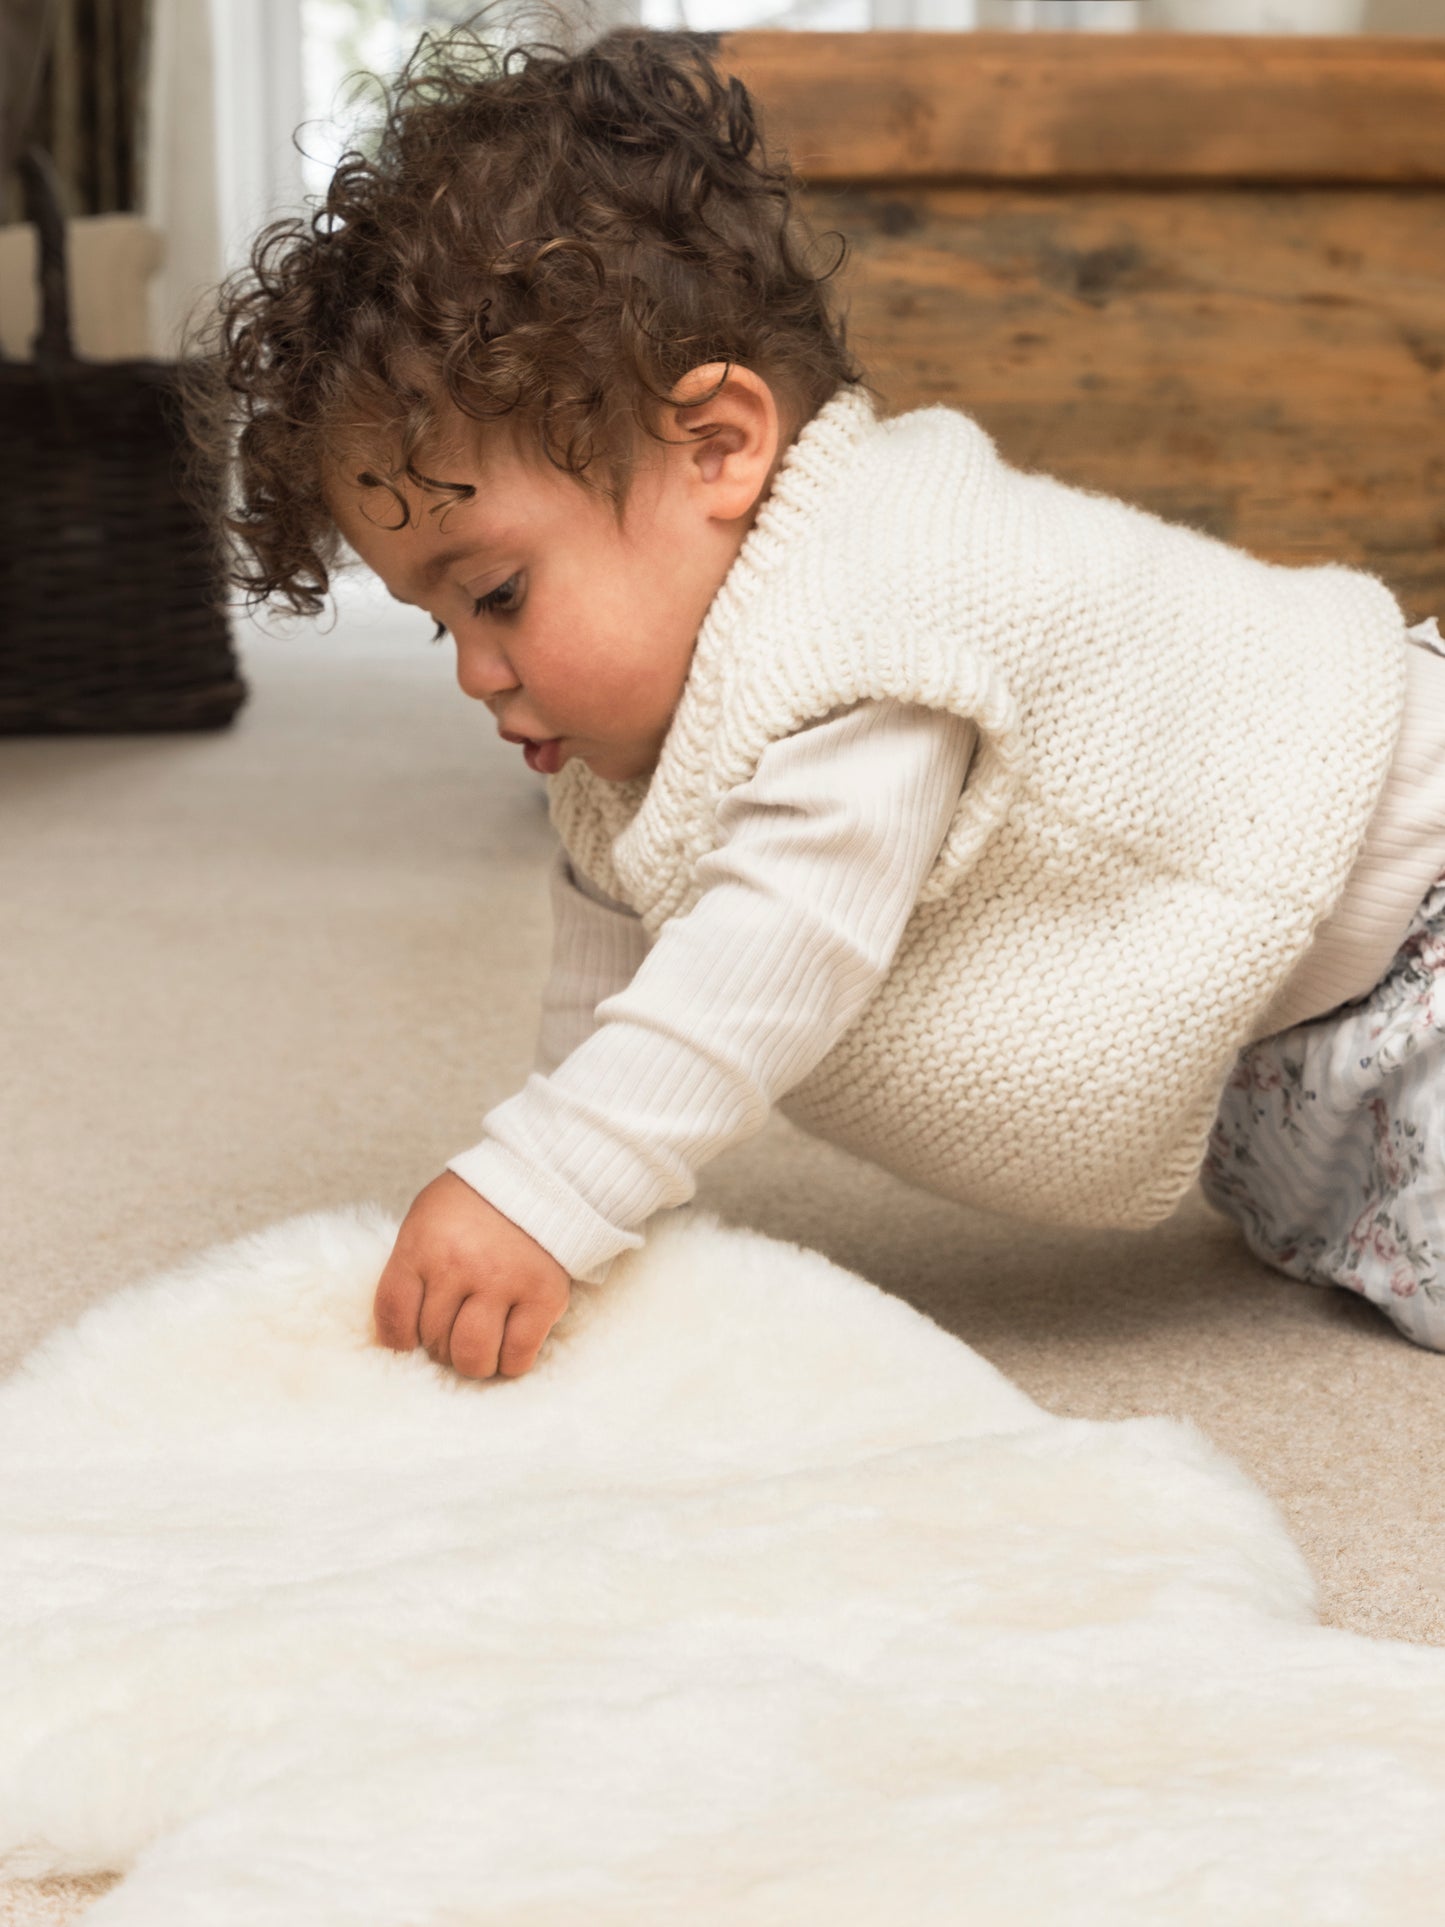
(545, 756)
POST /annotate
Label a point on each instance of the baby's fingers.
(527, 1327)
(396, 1308)
(476, 1336)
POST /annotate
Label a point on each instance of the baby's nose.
(483, 675)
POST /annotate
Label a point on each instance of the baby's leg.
(1329, 1146)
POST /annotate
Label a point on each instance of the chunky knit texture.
(1149, 835)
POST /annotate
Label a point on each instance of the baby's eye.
(504, 600)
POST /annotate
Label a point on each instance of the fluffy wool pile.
(761, 1601)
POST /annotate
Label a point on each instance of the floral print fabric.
(1329, 1146)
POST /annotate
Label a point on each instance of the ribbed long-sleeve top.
(651, 1061)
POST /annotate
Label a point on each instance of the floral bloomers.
(1329, 1146)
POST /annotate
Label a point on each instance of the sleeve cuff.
(583, 1242)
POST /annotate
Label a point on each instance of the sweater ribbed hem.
(1402, 856)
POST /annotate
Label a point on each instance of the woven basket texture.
(112, 592)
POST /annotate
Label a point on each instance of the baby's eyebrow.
(437, 567)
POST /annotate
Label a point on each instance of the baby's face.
(576, 630)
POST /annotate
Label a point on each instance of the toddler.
(1004, 834)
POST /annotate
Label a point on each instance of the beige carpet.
(291, 964)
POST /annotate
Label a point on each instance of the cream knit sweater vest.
(1180, 748)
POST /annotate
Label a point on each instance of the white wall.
(226, 98)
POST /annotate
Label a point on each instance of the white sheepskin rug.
(760, 1602)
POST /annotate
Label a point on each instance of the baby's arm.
(807, 896)
(823, 854)
(454, 1245)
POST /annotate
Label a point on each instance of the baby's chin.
(619, 765)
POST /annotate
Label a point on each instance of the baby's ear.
(727, 419)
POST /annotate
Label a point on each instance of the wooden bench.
(1203, 273)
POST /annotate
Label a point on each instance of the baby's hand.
(468, 1284)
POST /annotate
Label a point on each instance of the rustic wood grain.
(1266, 363)
(1267, 366)
(949, 106)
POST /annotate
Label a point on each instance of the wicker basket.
(112, 603)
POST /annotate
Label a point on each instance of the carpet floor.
(288, 966)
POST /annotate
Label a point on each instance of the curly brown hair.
(549, 235)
